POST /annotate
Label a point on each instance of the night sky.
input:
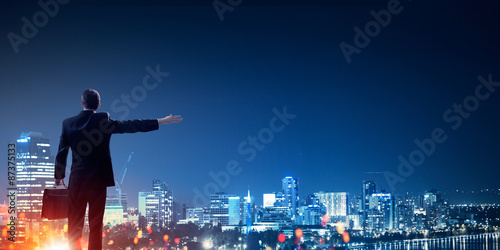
(225, 77)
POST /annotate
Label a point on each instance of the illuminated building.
(310, 215)
(277, 215)
(149, 207)
(367, 190)
(165, 199)
(336, 203)
(269, 199)
(157, 206)
(381, 213)
(225, 209)
(113, 215)
(35, 172)
(290, 187)
(436, 209)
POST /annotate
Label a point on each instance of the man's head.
(91, 99)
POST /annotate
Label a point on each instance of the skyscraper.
(290, 187)
(157, 206)
(35, 172)
(225, 209)
(149, 207)
(336, 203)
(381, 212)
(367, 190)
(165, 199)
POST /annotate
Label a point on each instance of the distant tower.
(249, 212)
(35, 172)
(368, 189)
(290, 187)
(165, 203)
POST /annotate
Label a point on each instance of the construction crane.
(122, 174)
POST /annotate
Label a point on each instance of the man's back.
(88, 135)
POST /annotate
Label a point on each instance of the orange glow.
(299, 233)
(22, 215)
(345, 237)
(110, 242)
(281, 238)
(149, 229)
(65, 228)
(11, 246)
(136, 240)
(4, 232)
(44, 227)
(84, 242)
(340, 228)
(139, 234)
(165, 237)
(326, 218)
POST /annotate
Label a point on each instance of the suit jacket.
(88, 135)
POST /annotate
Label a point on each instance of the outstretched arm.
(170, 119)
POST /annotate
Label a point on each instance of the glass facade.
(35, 172)
(290, 188)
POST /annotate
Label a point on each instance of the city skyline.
(233, 80)
(300, 197)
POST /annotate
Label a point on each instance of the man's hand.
(60, 182)
(170, 119)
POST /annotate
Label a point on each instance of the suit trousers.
(79, 197)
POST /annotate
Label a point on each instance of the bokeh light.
(299, 233)
(177, 240)
(281, 237)
(346, 237)
(165, 237)
(340, 228)
(326, 218)
(321, 241)
(136, 240)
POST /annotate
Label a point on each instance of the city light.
(59, 246)
(208, 244)
(298, 233)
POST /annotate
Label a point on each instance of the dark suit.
(88, 135)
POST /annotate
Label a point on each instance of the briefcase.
(55, 203)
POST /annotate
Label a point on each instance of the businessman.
(88, 135)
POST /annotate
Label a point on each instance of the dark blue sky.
(227, 76)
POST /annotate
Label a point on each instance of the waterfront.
(477, 242)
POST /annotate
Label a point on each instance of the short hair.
(91, 99)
